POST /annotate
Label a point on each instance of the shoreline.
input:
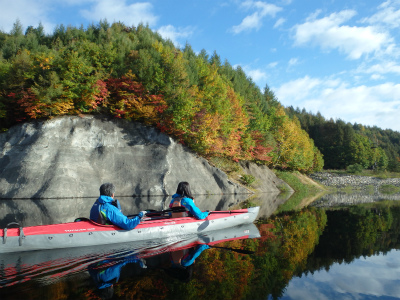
(340, 181)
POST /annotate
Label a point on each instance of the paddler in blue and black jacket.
(107, 210)
(183, 197)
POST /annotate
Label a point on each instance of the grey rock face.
(266, 180)
(70, 157)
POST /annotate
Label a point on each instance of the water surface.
(374, 277)
(341, 251)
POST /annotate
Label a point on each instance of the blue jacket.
(190, 258)
(190, 206)
(107, 272)
(112, 214)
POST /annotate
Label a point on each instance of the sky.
(336, 57)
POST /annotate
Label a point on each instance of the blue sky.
(336, 57)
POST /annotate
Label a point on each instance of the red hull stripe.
(85, 226)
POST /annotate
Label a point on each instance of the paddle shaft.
(158, 213)
(183, 209)
(229, 211)
(235, 250)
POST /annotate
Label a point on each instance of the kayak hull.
(87, 233)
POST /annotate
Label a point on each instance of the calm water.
(321, 252)
(374, 277)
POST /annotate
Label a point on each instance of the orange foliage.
(128, 99)
(266, 233)
(28, 106)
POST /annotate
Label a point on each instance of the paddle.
(183, 209)
(229, 212)
(162, 212)
(242, 251)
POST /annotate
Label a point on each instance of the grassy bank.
(306, 190)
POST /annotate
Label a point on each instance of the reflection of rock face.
(269, 203)
(72, 156)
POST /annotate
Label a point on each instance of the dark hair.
(184, 190)
(107, 189)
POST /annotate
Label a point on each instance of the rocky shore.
(363, 189)
(340, 181)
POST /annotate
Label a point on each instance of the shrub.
(248, 179)
(356, 168)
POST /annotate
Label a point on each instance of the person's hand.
(142, 263)
(142, 214)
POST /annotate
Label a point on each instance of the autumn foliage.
(133, 74)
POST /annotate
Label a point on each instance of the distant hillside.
(132, 73)
(344, 144)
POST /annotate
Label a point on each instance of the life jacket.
(102, 218)
(177, 256)
(177, 203)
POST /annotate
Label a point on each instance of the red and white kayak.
(87, 233)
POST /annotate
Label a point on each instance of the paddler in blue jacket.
(106, 210)
(183, 197)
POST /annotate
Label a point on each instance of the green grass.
(389, 189)
(225, 164)
(301, 190)
(349, 189)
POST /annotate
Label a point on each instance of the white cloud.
(382, 68)
(174, 34)
(369, 105)
(376, 276)
(257, 75)
(254, 21)
(329, 33)
(376, 77)
(29, 13)
(293, 61)
(297, 90)
(279, 22)
(388, 14)
(273, 64)
(119, 10)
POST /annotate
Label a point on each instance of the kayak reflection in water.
(107, 272)
(182, 261)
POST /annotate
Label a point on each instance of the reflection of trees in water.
(286, 242)
(354, 232)
(292, 244)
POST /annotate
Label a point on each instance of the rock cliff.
(70, 157)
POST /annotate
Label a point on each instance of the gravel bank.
(339, 181)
